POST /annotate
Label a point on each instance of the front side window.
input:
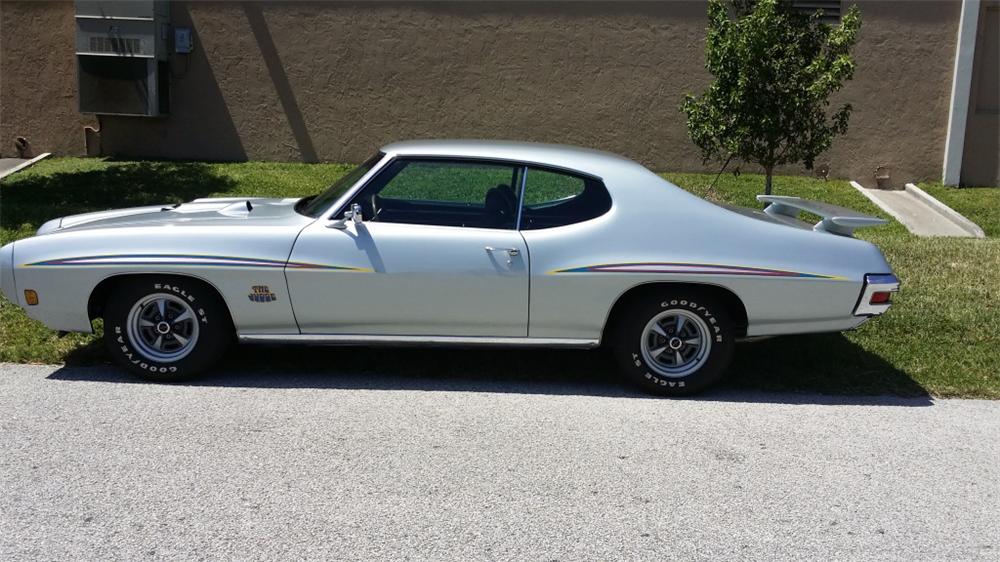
(556, 199)
(316, 205)
(444, 193)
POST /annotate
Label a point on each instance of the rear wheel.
(165, 328)
(674, 344)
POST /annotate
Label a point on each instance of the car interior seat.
(500, 207)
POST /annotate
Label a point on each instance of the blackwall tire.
(658, 358)
(166, 329)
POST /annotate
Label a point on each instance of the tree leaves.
(774, 70)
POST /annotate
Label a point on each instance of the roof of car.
(563, 156)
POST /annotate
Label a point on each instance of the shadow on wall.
(269, 53)
(33, 200)
(288, 81)
(981, 158)
(199, 126)
(797, 367)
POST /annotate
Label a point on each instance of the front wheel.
(675, 344)
(165, 329)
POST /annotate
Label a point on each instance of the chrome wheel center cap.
(675, 343)
(163, 328)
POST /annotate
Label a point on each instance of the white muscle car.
(457, 243)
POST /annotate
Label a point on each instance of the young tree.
(774, 69)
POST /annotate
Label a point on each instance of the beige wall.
(38, 78)
(331, 81)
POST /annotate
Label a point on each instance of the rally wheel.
(165, 328)
(674, 344)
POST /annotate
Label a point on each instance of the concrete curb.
(953, 215)
(24, 165)
(933, 211)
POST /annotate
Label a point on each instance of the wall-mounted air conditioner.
(121, 54)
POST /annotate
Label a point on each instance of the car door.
(565, 221)
(435, 254)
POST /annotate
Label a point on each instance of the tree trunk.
(769, 171)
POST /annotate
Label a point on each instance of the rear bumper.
(875, 283)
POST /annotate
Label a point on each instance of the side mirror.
(354, 215)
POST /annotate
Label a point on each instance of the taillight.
(876, 294)
(881, 297)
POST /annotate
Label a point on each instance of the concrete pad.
(10, 165)
(914, 212)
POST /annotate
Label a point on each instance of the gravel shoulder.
(263, 465)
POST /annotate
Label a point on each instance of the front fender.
(59, 305)
(243, 264)
(7, 273)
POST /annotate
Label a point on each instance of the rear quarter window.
(554, 199)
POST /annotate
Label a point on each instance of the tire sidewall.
(213, 327)
(629, 343)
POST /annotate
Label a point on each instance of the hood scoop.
(241, 209)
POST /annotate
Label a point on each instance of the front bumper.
(875, 283)
(7, 273)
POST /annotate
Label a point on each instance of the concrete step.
(920, 213)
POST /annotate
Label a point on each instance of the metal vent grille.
(830, 9)
(117, 45)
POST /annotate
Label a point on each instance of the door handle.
(510, 251)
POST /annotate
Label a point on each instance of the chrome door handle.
(510, 251)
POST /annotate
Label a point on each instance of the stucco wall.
(38, 78)
(331, 81)
(901, 91)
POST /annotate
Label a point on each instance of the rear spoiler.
(835, 220)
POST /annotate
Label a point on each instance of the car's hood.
(200, 212)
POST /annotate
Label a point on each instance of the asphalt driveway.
(263, 465)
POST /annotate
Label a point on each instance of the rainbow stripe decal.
(691, 269)
(187, 260)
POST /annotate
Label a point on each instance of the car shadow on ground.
(817, 369)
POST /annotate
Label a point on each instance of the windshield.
(315, 206)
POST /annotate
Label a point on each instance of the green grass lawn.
(979, 204)
(941, 337)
